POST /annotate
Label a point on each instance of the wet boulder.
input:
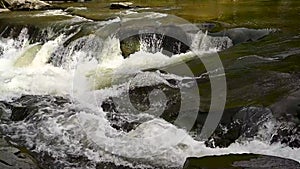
(287, 134)
(240, 161)
(120, 120)
(158, 96)
(33, 111)
(246, 123)
(26, 106)
(11, 157)
(234, 124)
(130, 45)
(240, 35)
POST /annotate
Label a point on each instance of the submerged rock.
(240, 35)
(240, 161)
(24, 4)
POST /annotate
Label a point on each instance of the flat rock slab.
(240, 161)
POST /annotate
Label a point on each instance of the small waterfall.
(151, 43)
(28, 55)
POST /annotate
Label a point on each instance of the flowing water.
(76, 55)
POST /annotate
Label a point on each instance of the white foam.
(58, 12)
(38, 78)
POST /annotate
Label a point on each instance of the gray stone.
(240, 161)
(238, 123)
(240, 35)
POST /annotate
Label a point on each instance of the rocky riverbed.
(101, 84)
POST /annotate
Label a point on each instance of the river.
(91, 93)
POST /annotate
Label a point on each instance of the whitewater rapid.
(85, 75)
